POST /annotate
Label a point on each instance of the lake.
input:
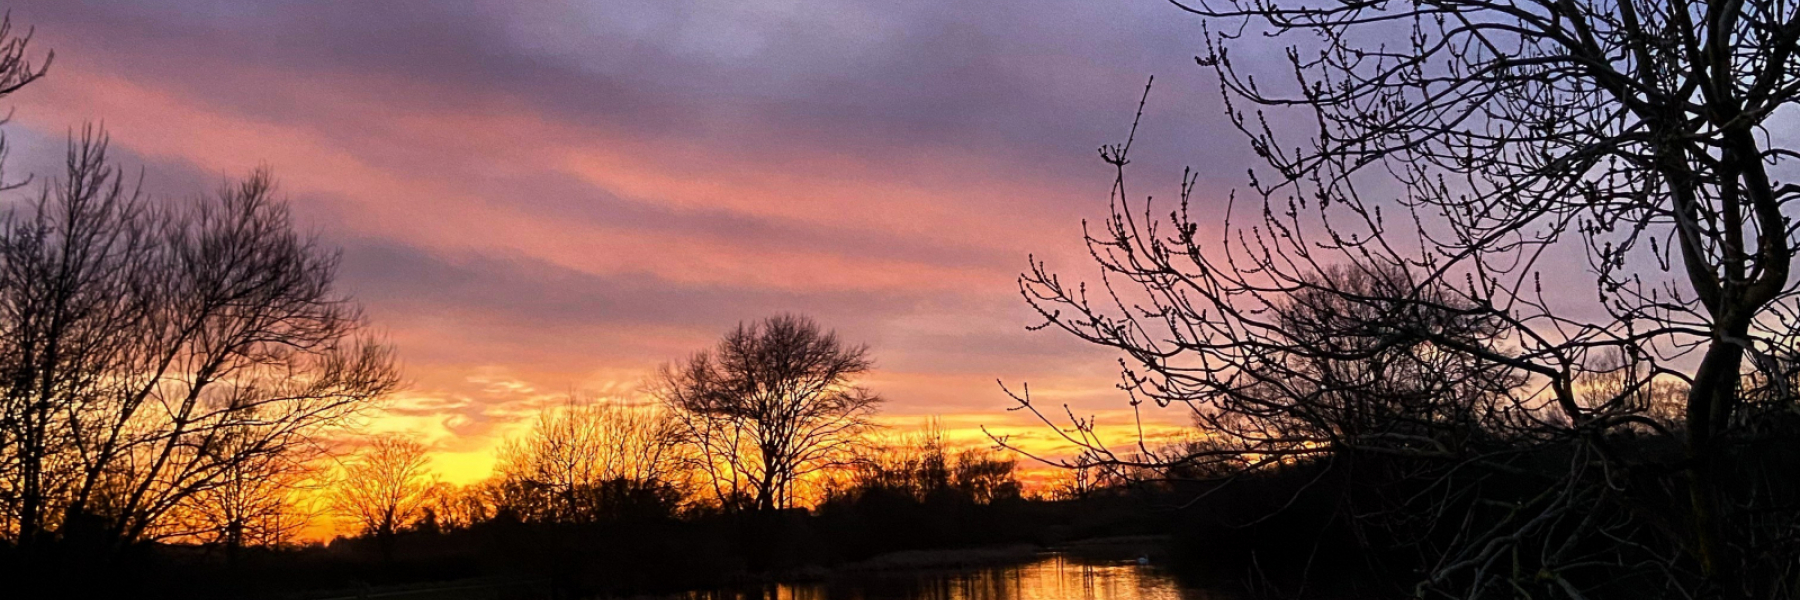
(1048, 577)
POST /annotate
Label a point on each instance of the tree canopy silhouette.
(152, 351)
(587, 460)
(386, 487)
(772, 403)
(1475, 160)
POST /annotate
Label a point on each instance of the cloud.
(556, 196)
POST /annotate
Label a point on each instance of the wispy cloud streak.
(542, 197)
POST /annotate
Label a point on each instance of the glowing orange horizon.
(517, 247)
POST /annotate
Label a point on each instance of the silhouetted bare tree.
(921, 464)
(263, 503)
(1615, 378)
(585, 460)
(461, 507)
(16, 67)
(1466, 149)
(16, 71)
(774, 402)
(385, 488)
(151, 350)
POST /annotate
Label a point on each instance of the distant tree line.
(181, 381)
(769, 418)
(183, 371)
(607, 496)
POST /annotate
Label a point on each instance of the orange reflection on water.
(1053, 577)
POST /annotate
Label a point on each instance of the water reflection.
(1053, 577)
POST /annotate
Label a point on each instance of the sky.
(535, 199)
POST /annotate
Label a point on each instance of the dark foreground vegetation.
(1512, 316)
(1506, 309)
(623, 555)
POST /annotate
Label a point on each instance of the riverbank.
(909, 564)
(625, 557)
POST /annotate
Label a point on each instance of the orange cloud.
(931, 237)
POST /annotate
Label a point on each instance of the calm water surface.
(1051, 577)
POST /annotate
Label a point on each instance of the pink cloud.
(903, 232)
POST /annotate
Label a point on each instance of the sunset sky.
(545, 197)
